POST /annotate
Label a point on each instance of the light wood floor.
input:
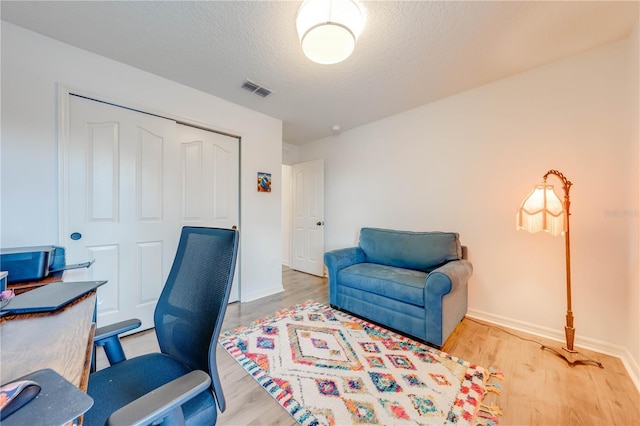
(538, 388)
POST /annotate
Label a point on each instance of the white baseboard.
(260, 294)
(630, 363)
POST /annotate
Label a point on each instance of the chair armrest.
(337, 260)
(116, 329)
(162, 402)
(108, 338)
(448, 277)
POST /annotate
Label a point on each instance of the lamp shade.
(542, 210)
(329, 29)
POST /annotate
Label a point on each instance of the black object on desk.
(58, 403)
(49, 297)
(15, 394)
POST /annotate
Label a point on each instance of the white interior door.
(119, 210)
(308, 217)
(210, 182)
(131, 181)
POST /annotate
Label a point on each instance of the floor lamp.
(542, 210)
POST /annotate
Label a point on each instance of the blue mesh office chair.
(188, 319)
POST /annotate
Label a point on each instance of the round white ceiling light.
(329, 29)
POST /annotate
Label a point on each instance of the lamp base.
(572, 357)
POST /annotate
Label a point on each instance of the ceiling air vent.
(256, 88)
(262, 91)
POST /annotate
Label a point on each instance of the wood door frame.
(64, 92)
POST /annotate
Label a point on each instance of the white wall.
(33, 65)
(289, 154)
(465, 163)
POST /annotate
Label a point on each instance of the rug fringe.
(485, 422)
(492, 410)
(493, 387)
(488, 415)
(497, 374)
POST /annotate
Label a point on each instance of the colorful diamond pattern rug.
(329, 368)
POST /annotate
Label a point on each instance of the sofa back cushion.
(421, 251)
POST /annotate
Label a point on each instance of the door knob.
(319, 223)
(75, 236)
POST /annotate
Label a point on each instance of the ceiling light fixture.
(329, 29)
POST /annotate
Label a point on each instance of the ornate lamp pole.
(542, 210)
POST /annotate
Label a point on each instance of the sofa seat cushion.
(405, 285)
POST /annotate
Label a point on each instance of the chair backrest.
(190, 310)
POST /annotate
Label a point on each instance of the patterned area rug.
(329, 368)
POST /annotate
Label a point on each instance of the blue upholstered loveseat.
(413, 282)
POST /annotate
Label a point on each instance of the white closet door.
(210, 182)
(120, 192)
(131, 181)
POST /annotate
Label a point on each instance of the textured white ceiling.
(410, 53)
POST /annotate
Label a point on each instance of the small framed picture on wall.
(264, 182)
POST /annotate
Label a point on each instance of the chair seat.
(137, 377)
(401, 284)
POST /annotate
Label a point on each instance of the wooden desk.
(60, 340)
(30, 285)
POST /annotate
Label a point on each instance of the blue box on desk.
(26, 263)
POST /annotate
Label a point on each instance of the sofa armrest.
(447, 278)
(445, 299)
(341, 258)
(337, 260)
